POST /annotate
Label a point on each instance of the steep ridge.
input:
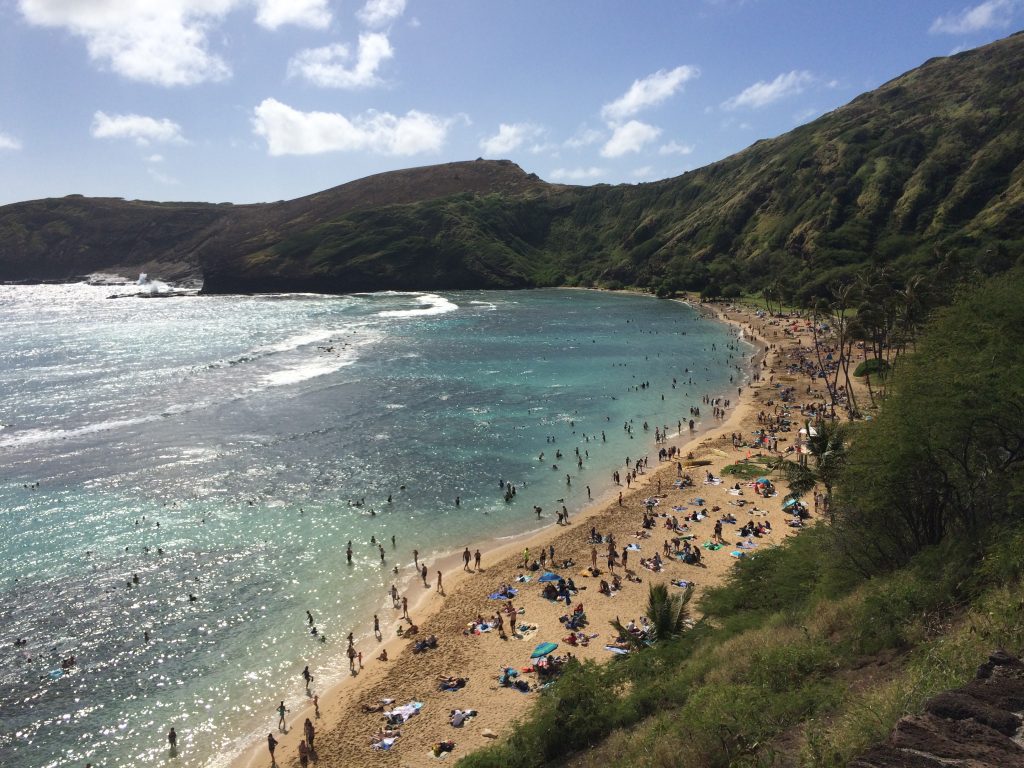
(977, 725)
(925, 172)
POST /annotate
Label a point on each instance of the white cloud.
(584, 138)
(155, 158)
(324, 67)
(162, 41)
(303, 13)
(378, 13)
(138, 127)
(647, 92)
(576, 174)
(642, 173)
(762, 93)
(991, 14)
(291, 132)
(675, 148)
(629, 137)
(510, 136)
(9, 142)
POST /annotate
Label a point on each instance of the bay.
(229, 448)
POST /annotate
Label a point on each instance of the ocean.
(224, 450)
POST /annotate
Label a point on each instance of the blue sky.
(260, 100)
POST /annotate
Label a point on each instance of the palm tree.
(827, 449)
(668, 615)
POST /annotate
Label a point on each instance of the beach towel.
(619, 651)
(712, 547)
(682, 583)
(633, 547)
(549, 576)
(678, 508)
(385, 743)
(738, 553)
(405, 711)
(500, 596)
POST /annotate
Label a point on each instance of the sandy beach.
(344, 730)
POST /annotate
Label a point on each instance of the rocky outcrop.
(975, 726)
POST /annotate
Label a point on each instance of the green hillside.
(924, 172)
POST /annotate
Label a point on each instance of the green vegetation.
(668, 614)
(813, 649)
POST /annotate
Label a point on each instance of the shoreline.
(339, 703)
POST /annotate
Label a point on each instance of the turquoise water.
(240, 436)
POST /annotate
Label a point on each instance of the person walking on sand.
(416, 557)
(405, 608)
(439, 587)
(310, 732)
(280, 718)
(303, 754)
(394, 596)
(423, 573)
(376, 626)
(465, 559)
(476, 560)
(526, 557)
(272, 745)
(352, 659)
(593, 558)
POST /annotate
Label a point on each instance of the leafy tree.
(945, 457)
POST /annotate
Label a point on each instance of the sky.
(260, 100)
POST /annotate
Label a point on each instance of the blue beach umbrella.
(543, 650)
